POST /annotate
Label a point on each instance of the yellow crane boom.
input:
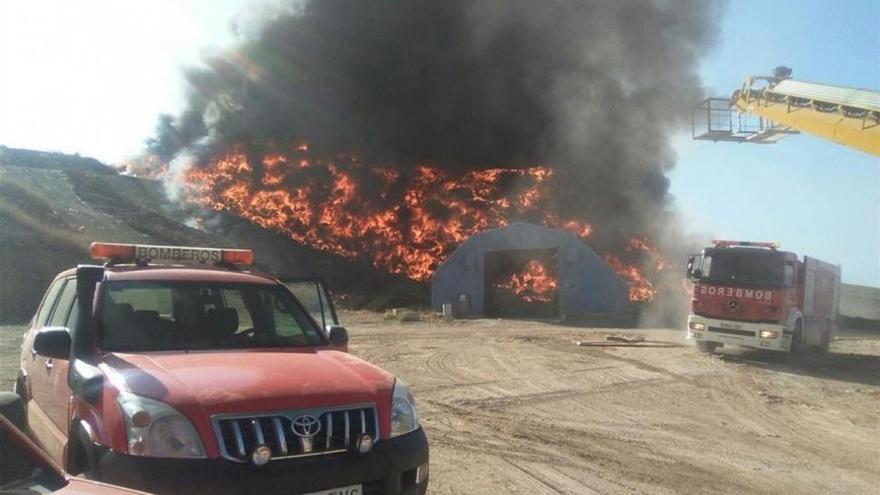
(770, 107)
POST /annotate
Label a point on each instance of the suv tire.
(80, 462)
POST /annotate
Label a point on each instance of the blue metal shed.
(585, 284)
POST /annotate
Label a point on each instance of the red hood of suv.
(256, 380)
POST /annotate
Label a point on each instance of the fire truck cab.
(754, 295)
(177, 370)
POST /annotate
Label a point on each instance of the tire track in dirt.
(626, 373)
(438, 363)
(517, 407)
(531, 441)
(549, 486)
(796, 425)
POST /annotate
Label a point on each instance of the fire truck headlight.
(769, 334)
(695, 325)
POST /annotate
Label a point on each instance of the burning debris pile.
(391, 131)
(404, 223)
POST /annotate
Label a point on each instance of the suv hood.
(253, 380)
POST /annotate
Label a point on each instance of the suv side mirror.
(338, 335)
(53, 342)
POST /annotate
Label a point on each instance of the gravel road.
(519, 407)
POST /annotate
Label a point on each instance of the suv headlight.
(404, 418)
(155, 429)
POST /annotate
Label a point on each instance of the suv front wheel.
(79, 462)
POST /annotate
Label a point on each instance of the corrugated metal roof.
(858, 98)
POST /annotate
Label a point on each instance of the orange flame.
(582, 230)
(327, 208)
(532, 284)
(642, 244)
(406, 223)
(640, 288)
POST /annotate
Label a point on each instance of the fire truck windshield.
(746, 267)
(154, 316)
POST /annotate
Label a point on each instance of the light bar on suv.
(722, 244)
(133, 253)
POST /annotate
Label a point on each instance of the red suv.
(171, 369)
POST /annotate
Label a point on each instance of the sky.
(815, 197)
(91, 77)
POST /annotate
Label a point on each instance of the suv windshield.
(153, 316)
(743, 267)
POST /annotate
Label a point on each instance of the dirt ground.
(519, 407)
(10, 350)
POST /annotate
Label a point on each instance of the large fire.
(406, 224)
(640, 288)
(533, 283)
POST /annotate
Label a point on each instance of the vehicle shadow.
(848, 367)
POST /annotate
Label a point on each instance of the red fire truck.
(752, 294)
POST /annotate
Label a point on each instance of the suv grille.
(339, 431)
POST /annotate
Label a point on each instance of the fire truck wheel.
(822, 348)
(797, 339)
(707, 347)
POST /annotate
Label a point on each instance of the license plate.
(345, 490)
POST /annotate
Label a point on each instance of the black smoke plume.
(590, 88)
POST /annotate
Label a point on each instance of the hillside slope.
(49, 216)
(51, 160)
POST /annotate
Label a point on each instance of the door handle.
(49, 364)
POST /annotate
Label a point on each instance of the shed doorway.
(521, 283)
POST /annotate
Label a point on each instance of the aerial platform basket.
(768, 108)
(715, 119)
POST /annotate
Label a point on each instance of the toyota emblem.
(733, 305)
(306, 426)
